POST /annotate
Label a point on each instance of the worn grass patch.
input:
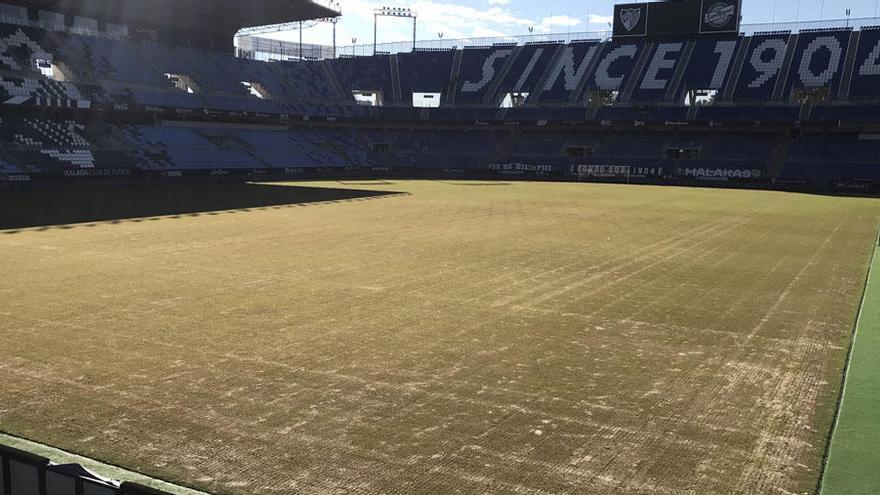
(532, 338)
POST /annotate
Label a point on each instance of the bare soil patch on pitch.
(534, 338)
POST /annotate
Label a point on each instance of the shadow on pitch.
(61, 207)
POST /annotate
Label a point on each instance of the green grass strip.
(853, 464)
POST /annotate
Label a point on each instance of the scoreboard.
(677, 18)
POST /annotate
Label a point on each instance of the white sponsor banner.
(521, 168)
(97, 172)
(720, 174)
(616, 171)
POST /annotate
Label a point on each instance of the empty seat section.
(737, 113)
(479, 67)
(191, 148)
(569, 70)
(21, 47)
(424, 72)
(371, 74)
(526, 71)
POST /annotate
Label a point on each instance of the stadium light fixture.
(333, 21)
(392, 12)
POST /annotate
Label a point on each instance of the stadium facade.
(114, 99)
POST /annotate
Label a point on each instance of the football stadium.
(639, 261)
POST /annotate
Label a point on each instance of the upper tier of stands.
(829, 69)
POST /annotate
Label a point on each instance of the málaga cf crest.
(630, 18)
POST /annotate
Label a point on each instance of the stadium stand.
(615, 65)
(565, 75)
(479, 67)
(820, 57)
(865, 73)
(98, 106)
(748, 113)
(851, 115)
(710, 65)
(525, 73)
(666, 58)
(643, 114)
(424, 72)
(365, 74)
(762, 67)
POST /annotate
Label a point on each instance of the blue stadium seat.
(365, 74)
(554, 114)
(479, 67)
(851, 114)
(424, 72)
(528, 68)
(748, 113)
(47, 145)
(615, 65)
(865, 82)
(449, 114)
(567, 74)
(762, 67)
(21, 47)
(710, 66)
(818, 61)
(663, 61)
(642, 114)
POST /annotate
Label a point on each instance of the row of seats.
(45, 147)
(824, 149)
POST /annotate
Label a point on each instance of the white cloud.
(453, 20)
(481, 32)
(600, 19)
(560, 20)
(557, 23)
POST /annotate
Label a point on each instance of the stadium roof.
(217, 16)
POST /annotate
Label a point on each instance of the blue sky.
(482, 18)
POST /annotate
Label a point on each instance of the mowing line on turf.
(852, 450)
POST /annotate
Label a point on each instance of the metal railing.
(449, 44)
(265, 49)
(441, 44)
(285, 49)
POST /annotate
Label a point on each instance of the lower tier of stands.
(35, 149)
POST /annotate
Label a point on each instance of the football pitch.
(451, 337)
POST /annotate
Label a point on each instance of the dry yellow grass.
(465, 338)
